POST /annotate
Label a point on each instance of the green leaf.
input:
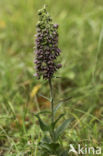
(43, 126)
(11, 107)
(44, 97)
(60, 104)
(43, 112)
(51, 147)
(46, 139)
(60, 116)
(57, 107)
(64, 153)
(62, 127)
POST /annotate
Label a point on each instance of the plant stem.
(52, 107)
(51, 99)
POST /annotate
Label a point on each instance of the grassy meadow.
(81, 77)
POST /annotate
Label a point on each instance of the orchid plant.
(46, 53)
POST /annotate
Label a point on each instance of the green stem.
(52, 103)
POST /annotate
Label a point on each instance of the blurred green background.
(81, 42)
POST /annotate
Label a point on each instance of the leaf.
(46, 139)
(50, 147)
(97, 55)
(44, 97)
(45, 147)
(53, 146)
(35, 90)
(60, 116)
(62, 127)
(64, 100)
(60, 104)
(11, 107)
(57, 107)
(43, 126)
(43, 112)
(65, 153)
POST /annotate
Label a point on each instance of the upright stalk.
(52, 109)
(51, 99)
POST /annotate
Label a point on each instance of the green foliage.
(43, 126)
(53, 149)
(50, 144)
(61, 128)
(55, 122)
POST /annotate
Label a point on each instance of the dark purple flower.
(56, 26)
(47, 49)
(59, 66)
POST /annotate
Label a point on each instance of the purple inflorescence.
(46, 49)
